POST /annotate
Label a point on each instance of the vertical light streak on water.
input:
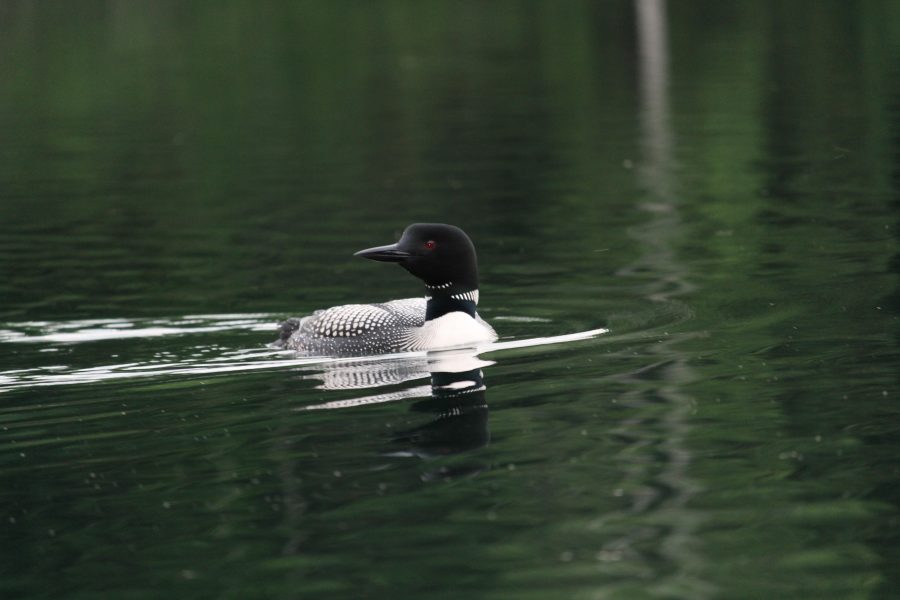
(668, 500)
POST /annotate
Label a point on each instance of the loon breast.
(367, 329)
(454, 329)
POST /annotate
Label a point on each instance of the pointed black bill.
(388, 253)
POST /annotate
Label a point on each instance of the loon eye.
(430, 244)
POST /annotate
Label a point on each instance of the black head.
(437, 254)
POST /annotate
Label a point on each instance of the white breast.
(453, 330)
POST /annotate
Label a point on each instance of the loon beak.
(389, 253)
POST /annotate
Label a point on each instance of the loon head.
(441, 255)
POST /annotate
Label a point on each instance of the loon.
(443, 257)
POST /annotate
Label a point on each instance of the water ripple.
(196, 360)
(92, 330)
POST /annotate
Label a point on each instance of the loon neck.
(443, 300)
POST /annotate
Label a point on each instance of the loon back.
(356, 329)
(443, 257)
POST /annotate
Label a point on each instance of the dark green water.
(716, 183)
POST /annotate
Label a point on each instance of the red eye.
(430, 244)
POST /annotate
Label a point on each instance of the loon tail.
(285, 330)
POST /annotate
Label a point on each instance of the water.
(709, 190)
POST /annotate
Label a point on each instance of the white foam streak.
(93, 330)
(544, 341)
(225, 362)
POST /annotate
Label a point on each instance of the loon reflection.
(461, 424)
(455, 397)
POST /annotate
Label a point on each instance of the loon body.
(443, 257)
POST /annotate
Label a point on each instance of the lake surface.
(715, 185)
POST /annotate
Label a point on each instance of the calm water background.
(715, 182)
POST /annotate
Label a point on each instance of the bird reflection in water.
(460, 417)
(455, 398)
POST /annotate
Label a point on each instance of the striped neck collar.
(441, 304)
(446, 289)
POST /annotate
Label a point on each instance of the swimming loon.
(443, 257)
